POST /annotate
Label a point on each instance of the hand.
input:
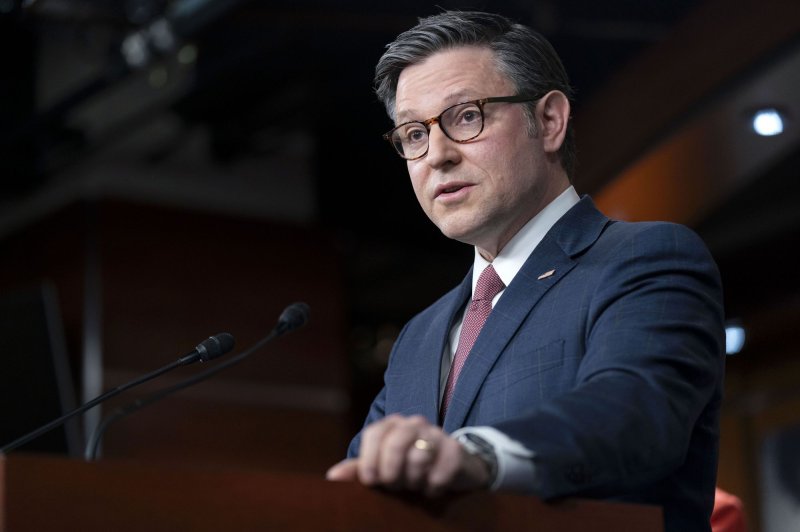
(409, 453)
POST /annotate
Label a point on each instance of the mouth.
(447, 189)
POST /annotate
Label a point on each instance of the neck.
(493, 246)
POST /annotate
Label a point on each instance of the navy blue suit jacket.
(609, 369)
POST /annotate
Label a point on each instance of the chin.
(460, 234)
(462, 226)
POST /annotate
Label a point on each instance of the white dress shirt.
(515, 470)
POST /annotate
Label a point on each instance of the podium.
(43, 492)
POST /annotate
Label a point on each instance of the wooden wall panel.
(170, 278)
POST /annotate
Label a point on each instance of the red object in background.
(728, 513)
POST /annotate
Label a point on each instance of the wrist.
(484, 452)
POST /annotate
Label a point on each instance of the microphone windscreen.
(294, 316)
(215, 346)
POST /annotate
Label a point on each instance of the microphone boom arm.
(212, 347)
(293, 317)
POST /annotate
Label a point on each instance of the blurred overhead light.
(139, 47)
(768, 122)
(187, 54)
(134, 50)
(158, 77)
(161, 35)
(734, 339)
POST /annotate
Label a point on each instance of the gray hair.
(522, 54)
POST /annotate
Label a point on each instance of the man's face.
(483, 191)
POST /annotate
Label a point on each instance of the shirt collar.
(511, 258)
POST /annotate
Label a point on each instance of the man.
(598, 369)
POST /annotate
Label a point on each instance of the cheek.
(497, 166)
(517, 162)
(417, 182)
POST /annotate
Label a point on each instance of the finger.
(421, 455)
(395, 450)
(346, 470)
(370, 451)
(442, 473)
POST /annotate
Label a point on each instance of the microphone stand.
(292, 318)
(206, 350)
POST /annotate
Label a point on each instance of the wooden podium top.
(41, 492)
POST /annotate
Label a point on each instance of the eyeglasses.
(461, 122)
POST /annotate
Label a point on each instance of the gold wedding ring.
(423, 445)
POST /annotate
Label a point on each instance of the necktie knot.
(489, 285)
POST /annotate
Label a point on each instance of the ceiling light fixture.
(734, 339)
(768, 122)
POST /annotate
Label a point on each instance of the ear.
(553, 110)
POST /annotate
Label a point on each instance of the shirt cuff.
(515, 469)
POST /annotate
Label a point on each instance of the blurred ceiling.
(664, 96)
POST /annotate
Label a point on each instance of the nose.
(441, 150)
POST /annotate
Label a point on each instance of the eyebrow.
(451, 99)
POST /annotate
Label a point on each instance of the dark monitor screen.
(35, 381)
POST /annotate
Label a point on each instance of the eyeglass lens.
(460, 123)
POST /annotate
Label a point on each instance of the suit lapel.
(574, 232)
(438, 336)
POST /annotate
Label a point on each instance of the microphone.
(209, 349)
(293, 317)
(212, 347)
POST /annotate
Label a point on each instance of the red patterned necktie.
(488, 286)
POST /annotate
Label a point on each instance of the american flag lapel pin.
(546, 274)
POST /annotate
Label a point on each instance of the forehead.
(450, 76)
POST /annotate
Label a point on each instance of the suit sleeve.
(377, 409)
(652, 366)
